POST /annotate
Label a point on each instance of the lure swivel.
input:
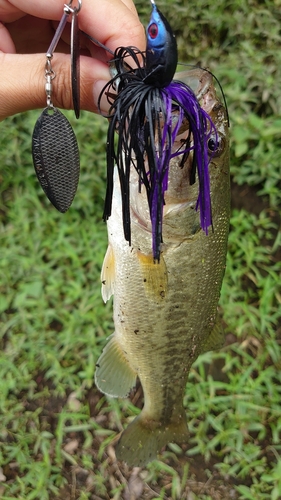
(49, 76)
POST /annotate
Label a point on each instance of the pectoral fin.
(114, 376)
(216, 338)
(108, 274)
(155, 276)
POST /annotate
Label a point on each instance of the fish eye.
(212, 144)
(216, 145)
(153, 30)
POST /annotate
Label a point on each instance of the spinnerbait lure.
(148, 112)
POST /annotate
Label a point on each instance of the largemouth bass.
(165, 313)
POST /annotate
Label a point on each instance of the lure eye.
(216, 145)
(153, 31)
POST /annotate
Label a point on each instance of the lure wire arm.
(96, 42)
(75, 73)
(57, 35)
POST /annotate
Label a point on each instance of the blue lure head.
(148, 112)
(161, 50)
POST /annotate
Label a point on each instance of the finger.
(6, 42)
(113, 22)
(22, 83)
(8, 12)
(130, 6)
(33, 35)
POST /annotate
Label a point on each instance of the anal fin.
(114, 376)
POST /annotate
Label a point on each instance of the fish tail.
(143, 439)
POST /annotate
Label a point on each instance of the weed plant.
(56, 430)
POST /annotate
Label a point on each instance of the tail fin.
(143, 439)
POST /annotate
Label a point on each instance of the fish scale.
(165, 313)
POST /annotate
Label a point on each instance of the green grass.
(56, 430)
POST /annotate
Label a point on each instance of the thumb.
(22, 83)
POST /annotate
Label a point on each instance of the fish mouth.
(201, 82)
(140, 216)
(180, 194)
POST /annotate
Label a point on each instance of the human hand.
(26, 31)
